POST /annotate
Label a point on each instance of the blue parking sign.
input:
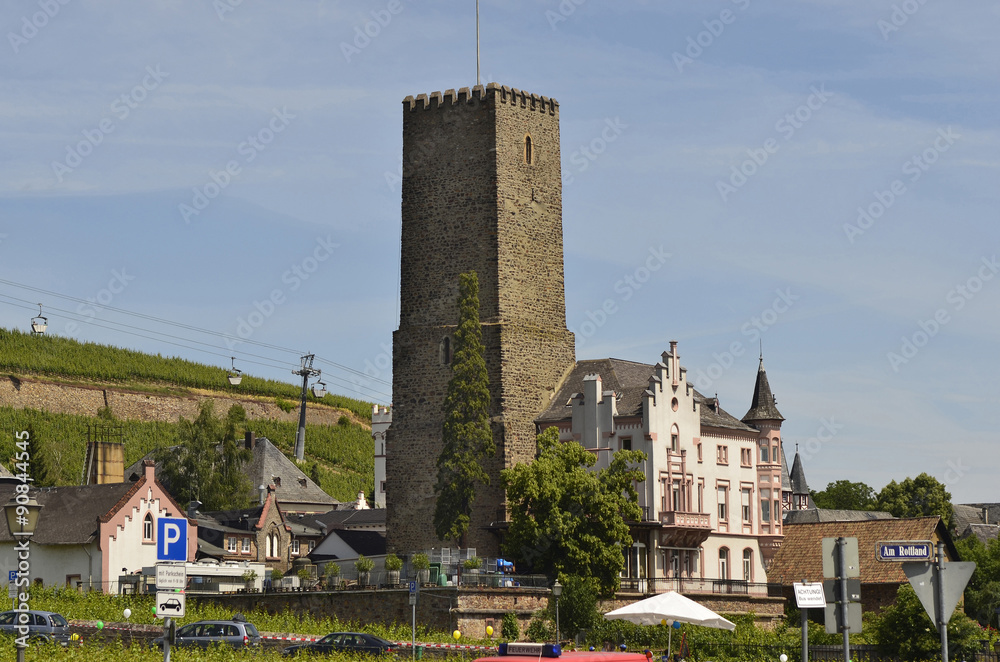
(12, 575)
(171, 539)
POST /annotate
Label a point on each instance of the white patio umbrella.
(669, 606)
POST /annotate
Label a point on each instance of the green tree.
(567, 519)
(577, 605)
(43, 467)
(845, 495)
(903, 629)
(466, 433)
(208, 464)
(916, 497)
(982, 594)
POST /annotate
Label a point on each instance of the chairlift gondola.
(319, 389)
(235, 375)
(39, 324)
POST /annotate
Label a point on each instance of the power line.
(367, 392)
(189, 327)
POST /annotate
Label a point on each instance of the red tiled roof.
(801, 554)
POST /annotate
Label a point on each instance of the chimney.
(192, 508)
(262, 493)
(986, 515)
(149, 470)
(675, 364)
(251, 440)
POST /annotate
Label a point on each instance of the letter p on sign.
(171, 539)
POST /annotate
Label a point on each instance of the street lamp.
(22, 518)
(556, 592)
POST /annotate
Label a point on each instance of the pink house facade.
(713, 497)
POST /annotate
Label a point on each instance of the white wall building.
(381, 419)
(712, 498)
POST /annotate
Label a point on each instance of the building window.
(231, 545)
(722, 454)
(745, 505)
(764, 454)
(675, 495)
(627, 443)
(295, 547)
(312, 545)
(774, 451)
(528, 150)
(723, 563)
(246, 546)
(765, 505)
(147, 528)
(698, 446)
(445, 350)
(675, 439)
(701, 495)
(747, 564)
(723, 503)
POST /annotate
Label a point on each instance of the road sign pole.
(939, 597)
(805, 635)
(166, 639)
(843, 602)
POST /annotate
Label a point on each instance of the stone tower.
(482, 191)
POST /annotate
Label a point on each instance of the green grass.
(345, 452)
(64, 357)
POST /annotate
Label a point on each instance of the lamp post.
(556, 592)
(22, 518)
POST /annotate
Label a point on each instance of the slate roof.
(347, 519)
(295, 487)
(797, 479)
(800, 555)
(368, 543)
(821, 515)
(762, 406)
(629, 380)
(968, 520)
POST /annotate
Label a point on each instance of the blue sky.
(819, 176)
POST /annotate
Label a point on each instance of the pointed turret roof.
(798, 476)
(762, 408)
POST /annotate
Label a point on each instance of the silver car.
(42, 625)
(237, 634)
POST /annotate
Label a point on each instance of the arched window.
(267, 546)
(747, 564)
(724, 563)
(675, 439)
(527, 150)
(147, 527)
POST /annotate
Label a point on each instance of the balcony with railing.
(696, 586)
(683, 529)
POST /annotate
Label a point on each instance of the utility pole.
(306, 371)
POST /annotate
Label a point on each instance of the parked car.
(353, 642)
(236, 633)
(42, 625)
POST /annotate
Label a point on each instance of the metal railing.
(653, 585)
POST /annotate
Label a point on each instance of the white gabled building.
(713, 494)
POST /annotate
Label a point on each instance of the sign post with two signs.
(171, 573)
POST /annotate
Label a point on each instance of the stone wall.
(125, 404)
(472, 200)
(469, 610)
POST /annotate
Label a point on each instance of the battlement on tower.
(492, 91)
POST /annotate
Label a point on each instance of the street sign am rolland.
(904, 550)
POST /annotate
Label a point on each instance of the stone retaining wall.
(126, 404)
